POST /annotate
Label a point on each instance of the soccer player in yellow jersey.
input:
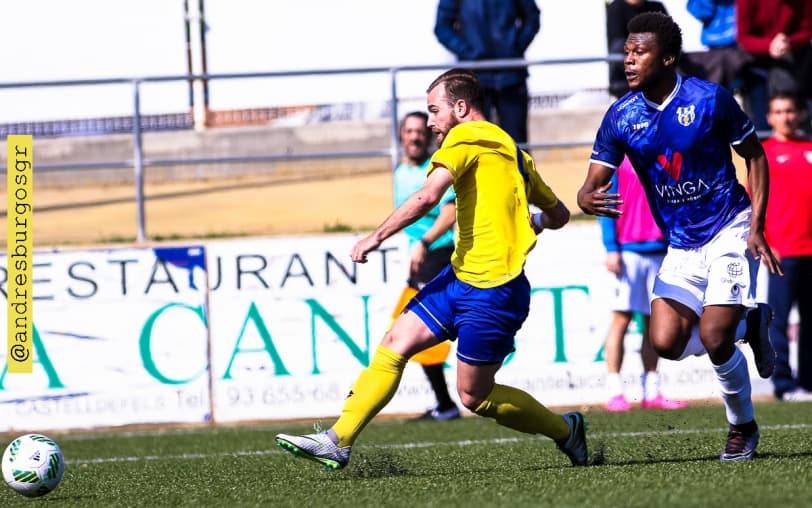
(481, 299)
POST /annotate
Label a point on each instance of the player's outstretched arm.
(416, 206)
(758, 179)
(593, 198)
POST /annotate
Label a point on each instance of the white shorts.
(722, 272)
(632, 288)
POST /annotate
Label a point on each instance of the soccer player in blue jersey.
(677, 131)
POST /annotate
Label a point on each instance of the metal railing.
(138, 162)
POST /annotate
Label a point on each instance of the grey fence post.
(138, 161)
(395, 135)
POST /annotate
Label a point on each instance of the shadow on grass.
(387, 465)
(378, 465)
(598, 458)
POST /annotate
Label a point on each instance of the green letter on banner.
(146, 337)
(316, 309)
(558, 316)
(254, 316)
(41, 358)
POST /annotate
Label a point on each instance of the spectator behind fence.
(777, 34)
(723, 60)
(618, 15)
(635, 248)
(789, 231)
(490, 30)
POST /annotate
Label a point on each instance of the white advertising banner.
(119, 338)
(294, 321)
(128, 336)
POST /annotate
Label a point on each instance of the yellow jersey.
(494, 234)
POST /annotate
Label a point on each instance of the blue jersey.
(409, 179)
(680, 149)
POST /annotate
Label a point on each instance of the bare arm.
(416, 206)
(554, 217)
(758, 178)
(593, 198)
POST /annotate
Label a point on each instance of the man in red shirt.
(776, 33)
(788, 229)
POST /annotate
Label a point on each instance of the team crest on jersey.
(686, 115)
(735, 269)
(808, 156)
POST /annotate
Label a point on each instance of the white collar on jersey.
(668, 99)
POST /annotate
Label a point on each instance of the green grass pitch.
(645, 458)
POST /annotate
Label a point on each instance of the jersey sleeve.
(538, 192)
(728, 118)
(608, 147)
(455, 155)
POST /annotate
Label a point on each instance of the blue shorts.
(484, 320)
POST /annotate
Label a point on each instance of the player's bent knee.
(670, 354)
(668, 349)
(388, 339)
(471, 401)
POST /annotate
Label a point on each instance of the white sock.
(651, 384)
(735, 383)
(694, 346)
(614, 385)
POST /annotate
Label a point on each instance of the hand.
(416, 258)
(364, 247)
(536, 222)
(758, 247)
(779, 46)
(600, 202)
(614, 263)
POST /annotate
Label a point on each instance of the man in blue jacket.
(724, 61)
(493, 30)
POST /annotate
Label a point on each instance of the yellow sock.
(372, 390)
(517, 410)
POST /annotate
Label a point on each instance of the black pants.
(507, 107)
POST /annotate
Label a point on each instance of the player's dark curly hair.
(668, 33)
(461, 84)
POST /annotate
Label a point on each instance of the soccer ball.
(33, 465)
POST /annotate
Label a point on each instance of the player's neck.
(416, 162)
(476, 116)
(788, 136)
(660, 91)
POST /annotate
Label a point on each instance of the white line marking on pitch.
(426, 444)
